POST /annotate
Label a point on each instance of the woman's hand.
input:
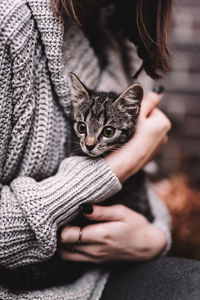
(123, 235)
(151, 134)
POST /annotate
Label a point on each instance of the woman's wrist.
(128, 160)
(121, 166)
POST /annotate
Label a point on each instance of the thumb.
(107, 213)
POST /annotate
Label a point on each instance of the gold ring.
(80, 235)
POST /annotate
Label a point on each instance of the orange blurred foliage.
(183, 202)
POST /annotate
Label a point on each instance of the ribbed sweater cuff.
(53, 201)
(162, 217)
(167, 235)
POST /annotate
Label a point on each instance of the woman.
(42, 187)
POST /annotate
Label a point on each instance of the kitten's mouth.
(89, 153)
(92, 153)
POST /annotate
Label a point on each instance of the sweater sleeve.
(31, 211)
(161, 214)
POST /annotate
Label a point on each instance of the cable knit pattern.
(42, 187)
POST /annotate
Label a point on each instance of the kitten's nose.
(90, 147)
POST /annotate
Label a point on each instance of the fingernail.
(87, 208)
(158, 89)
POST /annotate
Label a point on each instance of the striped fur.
(99, 110)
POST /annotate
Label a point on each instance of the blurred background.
(178, 177)
(182, 96)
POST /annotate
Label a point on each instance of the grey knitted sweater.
(42, 187)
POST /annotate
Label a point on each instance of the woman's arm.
(151, 134)
(31, 211)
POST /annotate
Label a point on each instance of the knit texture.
(42, 187)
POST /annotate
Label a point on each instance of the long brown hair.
(144, 22)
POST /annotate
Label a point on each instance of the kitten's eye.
(81, 127)
(108, 131)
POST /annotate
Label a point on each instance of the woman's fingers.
(150, 101)
(92, 250)
(100, 213)
(106, 213)
(93, 232)
(100, 232)
(162, 120)
(90, 234)
(75, 256)
(70, 234)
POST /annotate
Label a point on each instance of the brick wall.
(182, 97)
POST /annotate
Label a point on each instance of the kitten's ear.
(131, 98)
(77, 90)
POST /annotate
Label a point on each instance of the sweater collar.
(51, 28)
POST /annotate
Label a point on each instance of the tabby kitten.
(102, 122)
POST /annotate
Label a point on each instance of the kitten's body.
(98, 111)
(102, 123)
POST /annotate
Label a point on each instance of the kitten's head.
(104, 121)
